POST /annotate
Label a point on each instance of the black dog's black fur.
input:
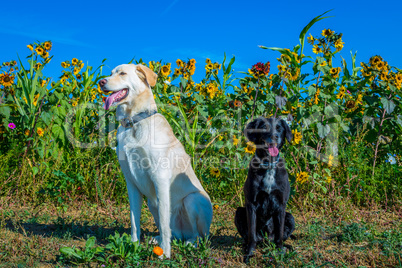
(267, 187)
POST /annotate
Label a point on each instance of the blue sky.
(168, 30)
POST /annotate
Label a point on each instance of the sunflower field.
(57, 142)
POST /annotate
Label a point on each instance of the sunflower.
(327, 32)
(47, 45)
(302, 177)
(192, 62)
(65, 64)
(45, 54)
(384, 76)
(79, 77)
(35, 101)
(39, 50)
(375, 60)
(74, 103)
(341, 93)
(165, 70)
(177, 72)
(74, 61)
(250, 148)
(339, 44)
(179, 63)
(297, 137)
(215, 172)
(335, 72)
(217, 66)
(38, 65)
(380, 65)
(350, 104)
(398, 78)
(30, 47)
(26, 132)
(192, 69)
(185, 76)
(76, 70)
(281, 68)
(310, 40)
(317, 49)
(237, 103)
(324, 63)
(150, 65)
(7, 79)
(207, 61)
(235, 140)
(43, 83)
(40, 131)
(209, 66)
(330, 160)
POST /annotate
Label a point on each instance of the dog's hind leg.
(197, 206)
(289, 225)
(241, 222)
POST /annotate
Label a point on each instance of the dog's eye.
(122, 73)
(278, 127)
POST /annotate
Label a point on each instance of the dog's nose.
(102, 82)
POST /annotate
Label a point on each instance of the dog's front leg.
(252, 231)
(279, 226)
(135, 198)
(162, 188)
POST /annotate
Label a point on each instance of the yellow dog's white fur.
(155, 164)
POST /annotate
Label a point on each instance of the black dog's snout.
(102, 82)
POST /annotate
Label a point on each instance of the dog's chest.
(268, 182)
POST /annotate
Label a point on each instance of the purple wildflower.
(11, 125)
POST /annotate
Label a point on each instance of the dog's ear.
(288, 132)
(148, 74)
(252, 131)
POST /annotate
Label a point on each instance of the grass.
(31, 236)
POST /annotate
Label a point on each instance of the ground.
(31, 236)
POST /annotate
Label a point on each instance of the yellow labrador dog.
(154, 162)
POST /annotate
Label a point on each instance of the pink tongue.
(109, 100)
(273, 151)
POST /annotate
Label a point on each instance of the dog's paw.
(191, 242)
(154, 240)
(166, 250)
(246, 259)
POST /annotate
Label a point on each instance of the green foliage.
(87, 255)
(56, 139)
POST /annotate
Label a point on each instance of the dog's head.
(126, 83)
(268, 134)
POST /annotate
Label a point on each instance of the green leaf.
(323, 130)
(35, 170)
(5, 110)
(388, 105)
(308, 26)
(399, 120)
(90, 242)
(70, 252)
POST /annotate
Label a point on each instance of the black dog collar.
(270, 165)
(129, 122)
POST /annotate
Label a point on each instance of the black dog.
(267, 187)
